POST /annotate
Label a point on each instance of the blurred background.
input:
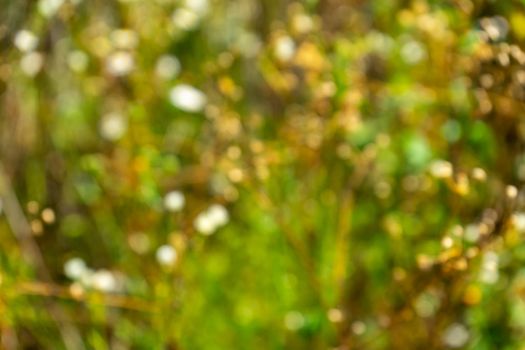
(262, 174)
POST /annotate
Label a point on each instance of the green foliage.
(208, 174)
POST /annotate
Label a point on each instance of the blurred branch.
(109, 300)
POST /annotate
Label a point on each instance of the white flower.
(489, 268)
(200, 7)
(218, 214)
(48, 215)
(441, 169)
(124, 38)
(174, 201)
(166, 255)
(518, 219)
(426, 304)
(77, 61)
(496, 27)
(75, 268)
(302, 23)
(167, 67)
(412, 52)
(472, 233)
(210, 220)
(335, 315)
(479, 174)
(284, 48)
(489, 276)
(187, 98)
(113, 126)
(49, 7)
(204, 225)
(32, 63)
(104, 281)
(120, 63)
(185, 19)
(358, 327)
(25, 40)
(456, 335)
(512, 191)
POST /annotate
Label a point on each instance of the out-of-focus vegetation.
(262, 174)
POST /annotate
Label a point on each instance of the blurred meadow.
(262, 174)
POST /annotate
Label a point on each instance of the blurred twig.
(110, 300)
